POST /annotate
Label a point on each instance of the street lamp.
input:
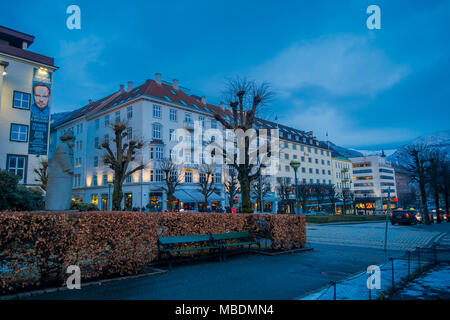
(109, 193)
(295, 165)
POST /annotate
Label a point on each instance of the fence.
(393, 274)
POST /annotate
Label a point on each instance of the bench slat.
(184, 239)
(231, 235)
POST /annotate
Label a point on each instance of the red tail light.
(407, 215)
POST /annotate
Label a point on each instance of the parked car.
(441, 213)
(403, 217)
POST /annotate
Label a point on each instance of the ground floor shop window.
(94, 199)
(105, 202)
(128, 201)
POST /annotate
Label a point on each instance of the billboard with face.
(40, 111)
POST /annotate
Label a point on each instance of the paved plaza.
(372, 235)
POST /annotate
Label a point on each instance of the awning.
(215, 197)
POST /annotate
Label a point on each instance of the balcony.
(189, 125)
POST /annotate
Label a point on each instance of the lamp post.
(109, 193)
(295, 165)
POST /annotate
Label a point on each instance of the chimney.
(175, 84)
(121, 88)
(130, 86)
(24, 45)
(222, 105)
(90, 101)
(158, 78)
(203, 100)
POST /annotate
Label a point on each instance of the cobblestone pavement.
(372, 235)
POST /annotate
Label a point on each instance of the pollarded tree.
(418, 162)
(284, 191)
(436, 160)
(259, 189)
(172, 178)
(245, 99)
(42, 173)
(118, 156)
(206, 184)
(347, 196)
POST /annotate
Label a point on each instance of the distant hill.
(348, 153)
(57, 117)
(439, 140)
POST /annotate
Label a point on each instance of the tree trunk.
(423, 196)
(436, 201)
(245, 193)
(117, 195)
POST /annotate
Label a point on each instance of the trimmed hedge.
(36, 248)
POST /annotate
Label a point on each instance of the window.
(315, 150)
(17, 166)
(128, 179)
(171, 135)
(309, 160)
(187, 118)
(97, 123)
(303, 170)
(96, 143)
(95, 162)
(156, 132)
(213, 124)
(316, 161)
(105, 138)
(94, 180)
(302, 148)
(117, 115)
(286, 145)
(94, 199)
(317, 171)
(202, 177)
(286, 156)
(294, 146)
(156, 111)
(19, 132)
(21, 100)
(159, 175)
(310, 170)
(287, 168)
(130, 112)
(202, 120)
(105, 180)
(107, 120)
(218, 177)
(159, 153)
(322, 162)
(173, 115)
(130, 133)
(188, 177)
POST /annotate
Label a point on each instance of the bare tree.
(332, 195)
(245, 98)
(206, 184)
(171, 178)
(284, 191)
(319, 191)
(435, 178)
(418, 159)
(42, 173)
(304, 193)
(118, 157)
(259, 189)
(445, 186)
(232, 186)
(348, 196)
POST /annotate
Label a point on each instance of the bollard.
(418, 254)
(409, 263)
(435, 253)
(393, 282)
(334, 289)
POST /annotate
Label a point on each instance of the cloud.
(342, 129)
(79, 58)
(341, 64)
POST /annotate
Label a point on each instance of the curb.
(299, 250)
(343, 223)
(87, 284)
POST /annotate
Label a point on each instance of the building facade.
(158, 113)
(373, 179)
(25, 101)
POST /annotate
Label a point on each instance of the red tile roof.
(24, 54)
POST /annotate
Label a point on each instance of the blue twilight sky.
(368, 88)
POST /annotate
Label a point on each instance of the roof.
(166, 92)
(163, 91)
(14, 37)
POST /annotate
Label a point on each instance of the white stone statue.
(60, 176)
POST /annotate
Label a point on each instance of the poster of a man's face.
(41, 94)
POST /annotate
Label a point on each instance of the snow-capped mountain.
(439, 140)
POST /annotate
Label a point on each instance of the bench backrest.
(231, 235)
(184, 239)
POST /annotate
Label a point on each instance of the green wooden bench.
(233, 239)
(165, 245)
